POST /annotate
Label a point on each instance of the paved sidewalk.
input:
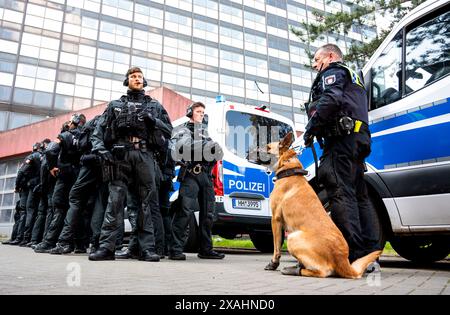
(24, 272)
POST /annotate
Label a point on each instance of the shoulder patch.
(330, 79)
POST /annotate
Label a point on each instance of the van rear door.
(246, 180)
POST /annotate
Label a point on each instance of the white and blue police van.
(242, 182)
(408, 176)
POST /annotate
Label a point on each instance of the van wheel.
(263, 241)
(192, 242)
(422, 249)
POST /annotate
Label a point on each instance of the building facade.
(58, 56)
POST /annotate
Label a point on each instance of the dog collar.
(291, 172)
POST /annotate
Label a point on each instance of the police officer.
(26, 181)
(124, 138)
(339, 119)
(197, 153)
(81, 192)
(64, 164)
(42, 188)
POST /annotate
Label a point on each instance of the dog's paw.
(272, 265)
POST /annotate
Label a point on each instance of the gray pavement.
(24, 272)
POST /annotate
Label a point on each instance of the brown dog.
(314, 240)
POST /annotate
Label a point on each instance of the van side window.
(427, 51)
(386, 73)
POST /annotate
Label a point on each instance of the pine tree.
(361, 16)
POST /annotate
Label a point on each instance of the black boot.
(211, 255)
(126, 254)
(102, 254)
(43, 248)
(61, 248)
(148, 255)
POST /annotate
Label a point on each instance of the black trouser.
(341, 171)
(16, 225)
(23, 195)
(98, 214)
(196, 192)
(135, 171)
(60, 204)
(166, 213)
(80, 193)
(32, 205)
(41, 225)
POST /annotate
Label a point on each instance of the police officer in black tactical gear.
(197, 153)
(338, 117)
(64, 163)
(26, 181)
(42, 189)
(125, 140)
(74, 234)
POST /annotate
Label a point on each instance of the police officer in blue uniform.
(125, 139)
(338, 117)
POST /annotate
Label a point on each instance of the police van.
(408, 176)
(242, 182)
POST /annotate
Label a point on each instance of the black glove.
(308, 139)
(148, 118)
(106, 156)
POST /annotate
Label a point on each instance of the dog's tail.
(361, 264)
(357, 268)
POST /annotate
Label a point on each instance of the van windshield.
(247, 135)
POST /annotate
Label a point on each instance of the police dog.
(314, 240)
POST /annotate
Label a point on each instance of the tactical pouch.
(119, 152)
(107, 172)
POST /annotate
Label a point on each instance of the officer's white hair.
(332, 48)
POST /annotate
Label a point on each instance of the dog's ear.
(287, 141)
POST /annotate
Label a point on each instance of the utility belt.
(343, 126)
(196, 169)
(193, 169)
(130, 143)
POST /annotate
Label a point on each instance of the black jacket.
(337, 91)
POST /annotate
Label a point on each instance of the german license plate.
(246, 204)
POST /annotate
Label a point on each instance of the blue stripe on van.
(416, 115)
(416, 146)
(419, 146)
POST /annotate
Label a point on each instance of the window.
(205, 30)
(115, 34)
(148, 16)
(178, 23)
(176, 74)
(255, 43)
(232, 61)
(232, 86)
(41, 47)
(231, 14)
(386, 71)
(205, 55)
(205, 80)
(256, 66)
(258, 131)
(147, 41)
(121, 9)
(177, 48)
(427, 52)
(231, 37)
(206, 8)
